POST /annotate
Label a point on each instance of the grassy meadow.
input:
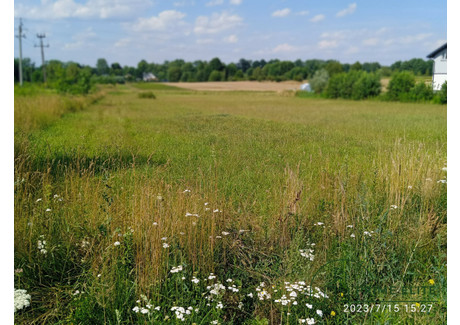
(240, 207)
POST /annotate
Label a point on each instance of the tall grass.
(229, 184)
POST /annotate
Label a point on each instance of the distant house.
(439, 57)
(148, 76)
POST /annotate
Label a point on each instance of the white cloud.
(327, 44)
(352, 50)
(165, 20)
(284, 48)
(414, 38)
(281, 13)
(347, 11)
(216, 23)
(236, 2)
(371, 41)
(213, 3)
(61, 9)
(231, 39)
(339, 34)
(123, 42)
(81, 39)
(183, 3)
(317, 18)
(303, 13)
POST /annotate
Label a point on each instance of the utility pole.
(41, 37)
(20, 36)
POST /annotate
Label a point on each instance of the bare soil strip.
(238, 85)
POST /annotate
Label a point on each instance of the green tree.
(319, 81)
(400, 85)
(333, 67)
(102, 67)
(174, 73)
(215, 76)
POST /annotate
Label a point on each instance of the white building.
(439, 57)
(148, 76)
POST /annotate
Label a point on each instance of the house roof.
(435, 52)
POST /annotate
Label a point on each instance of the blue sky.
(127, 31)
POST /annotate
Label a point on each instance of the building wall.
(440, 70)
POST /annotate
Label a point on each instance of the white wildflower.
(367, 233)
(225, 233)
(21, 299)
(309, 306)
(176, 269)
(409, 187)
(117, 243)
(136, 309)
(48, 210)
(186, 191)
(393, 207)
(352, 236)
(442, 181)
(219, 305)
(165, 245)
(155, 223)
(38, 200)
(319, 312)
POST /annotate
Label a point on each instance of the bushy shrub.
(400, 85)
(73, 80)
(319, 81)
(367, 85)
(106, 79)
(147, 94)
(353, 85)
(440, 97)
(420, 92)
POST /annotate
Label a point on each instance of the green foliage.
(333, 67)
(174, 74)
(420, 92)
(108, 80)
(400, 85)
(147, 94)
(319, 81)
(102, 67)
(215, 76)
(440, 97)
(73, 80)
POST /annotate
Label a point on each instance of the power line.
(20, 36)
(41, 37)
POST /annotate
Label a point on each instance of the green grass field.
(228, 208)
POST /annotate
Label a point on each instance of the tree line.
(213, 70)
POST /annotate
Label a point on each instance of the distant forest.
(213, 70)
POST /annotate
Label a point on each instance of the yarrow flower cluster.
(262, 294)
(41, 245)
(148, 306)
(176, 269)
(308, 253)
(181, 312)
(21, 299)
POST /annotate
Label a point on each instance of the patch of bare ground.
(238, 85)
